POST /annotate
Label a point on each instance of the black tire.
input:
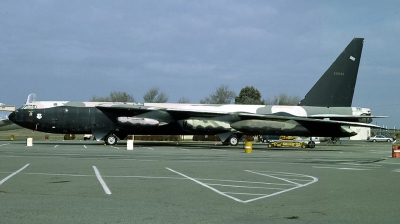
(233, 140)
(110, 139)
(388, 140)
(311, 144)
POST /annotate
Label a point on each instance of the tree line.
(222, 95)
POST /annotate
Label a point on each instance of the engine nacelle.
(259, 127)
(137, 122)
(199, 126)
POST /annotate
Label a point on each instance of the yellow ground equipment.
(278, 144)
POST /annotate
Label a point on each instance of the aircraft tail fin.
(336, 86)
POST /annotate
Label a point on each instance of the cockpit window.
(27, 107)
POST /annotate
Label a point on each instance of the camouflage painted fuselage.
(124, 119)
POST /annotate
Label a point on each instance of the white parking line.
(366, 165)
(221, 150)
(204, 185)
(248, 187)
(103, 184)
(338, 168)
(11, 175)
(286, 182)
(283, 179)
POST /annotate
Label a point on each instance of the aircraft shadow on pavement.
(192, 145)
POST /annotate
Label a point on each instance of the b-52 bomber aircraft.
(325, 111)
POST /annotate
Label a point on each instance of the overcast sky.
(74, 50)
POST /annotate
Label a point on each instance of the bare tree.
(283, 99)
(115, 96)
(183, 100)
(222, 95)
(155, 96)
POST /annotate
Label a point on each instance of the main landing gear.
(110, 139)
(232, 140)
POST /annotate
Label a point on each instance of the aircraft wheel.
(233, 140)
(110, 139)
(311, 144)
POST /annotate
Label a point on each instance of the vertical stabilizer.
(336, 86)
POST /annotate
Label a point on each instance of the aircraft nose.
(12, 117)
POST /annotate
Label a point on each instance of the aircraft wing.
(4, 122)
(137, 114)
(211, 112)
(6, 125)
(112, 107)
(175, 112)
(305, 120)
(338, 116)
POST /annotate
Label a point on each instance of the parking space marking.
(249, 187)
(11, 175)
(204, 185)
(220, 150)
(339, 168)
(238, 190)
(301, 180)
(285, 182)
(103, 184)
(370, 165)
(273, 176)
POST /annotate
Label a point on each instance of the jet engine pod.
(137, 122)
(259, 127)
(200, 126)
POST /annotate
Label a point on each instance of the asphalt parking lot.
(191, 182)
